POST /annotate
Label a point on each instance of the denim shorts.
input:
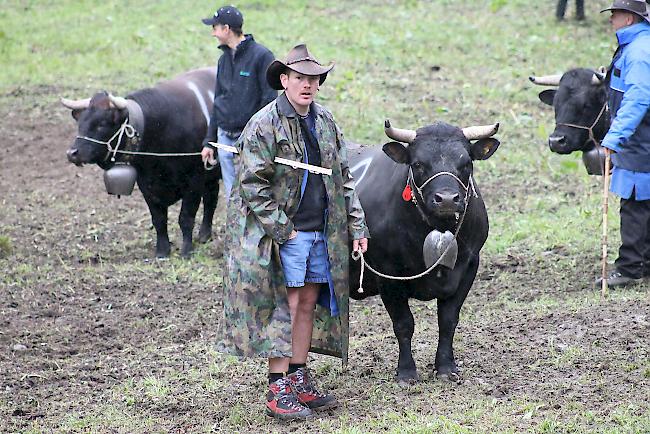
(304, 259)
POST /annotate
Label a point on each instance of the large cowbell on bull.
(441, 248)
(593, 155)
(120, 178)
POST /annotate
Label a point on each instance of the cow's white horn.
(75, 104)
(405, 136)
(480, 131)
(546, 80)
(118, 101)
(597, 78)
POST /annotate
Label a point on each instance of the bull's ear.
(483, 149)
(546, 96)
(119, 115)
(397, 152)
(76, 113)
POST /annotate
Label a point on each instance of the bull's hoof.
(406, 378)
(449, 376)
(204, 237)
(162, 255)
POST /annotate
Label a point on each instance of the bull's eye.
(417, 165)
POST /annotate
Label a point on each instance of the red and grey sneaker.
(308, 394)
(282, 402)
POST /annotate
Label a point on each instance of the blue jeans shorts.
(304, 259)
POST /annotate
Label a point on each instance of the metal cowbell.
(120, 179)
(440, 246)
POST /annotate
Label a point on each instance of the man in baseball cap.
(226, 15)
(240, 89)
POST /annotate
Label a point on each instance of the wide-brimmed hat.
(638, 7)
(298, 60)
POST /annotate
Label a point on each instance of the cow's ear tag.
(407, 194)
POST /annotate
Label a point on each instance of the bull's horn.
(76, 104)
(546, 80)
(405, 136)
(118, 101)
(597, 78)
(480, 131)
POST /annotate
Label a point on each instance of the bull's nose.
(556, 142)
(446, 197)
(73, 155)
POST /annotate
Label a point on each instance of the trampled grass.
(413, 62)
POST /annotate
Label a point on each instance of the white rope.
(156, 154)
(357, 254)
(129, 131)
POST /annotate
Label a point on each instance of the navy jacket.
(241, 88)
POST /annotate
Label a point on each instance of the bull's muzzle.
(447, 203)
(73, 156)
(557, 144)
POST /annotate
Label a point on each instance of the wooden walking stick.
(605, 197)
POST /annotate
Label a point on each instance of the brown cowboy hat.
(298, 60)
(638, 7)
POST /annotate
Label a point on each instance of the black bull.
(398, 229)
(171, 117)
(579, 99)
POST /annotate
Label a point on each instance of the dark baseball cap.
(226, 15)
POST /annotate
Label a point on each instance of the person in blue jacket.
(628, 138)
(241, 88)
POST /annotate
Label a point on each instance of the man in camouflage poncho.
(273, 212)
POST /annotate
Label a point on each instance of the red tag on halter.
(407, 194)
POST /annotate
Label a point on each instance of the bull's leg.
(561, 9)
(210, 194)
(159, 220)
(403, 326)
(189, 207)
(448, 312)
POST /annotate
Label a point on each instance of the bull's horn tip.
(387, 123)
(531, 78)
(496, 127)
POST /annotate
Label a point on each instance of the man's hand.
(207, 155)
(360, 244)
(292, 235)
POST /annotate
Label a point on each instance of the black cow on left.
(170, 118)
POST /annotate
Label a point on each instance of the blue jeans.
(304, 259)
(226, 161)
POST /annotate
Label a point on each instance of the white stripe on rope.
(295, 164)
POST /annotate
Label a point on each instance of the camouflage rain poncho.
(264, 198)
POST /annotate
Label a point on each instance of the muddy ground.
(96, 335)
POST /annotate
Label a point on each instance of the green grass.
(413, 62)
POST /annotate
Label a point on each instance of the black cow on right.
(417, 193)
(582, 119)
